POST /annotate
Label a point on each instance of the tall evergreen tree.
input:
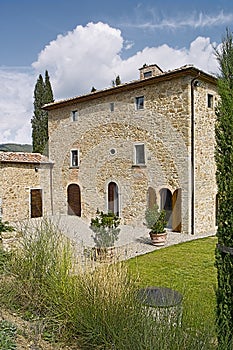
(224, 178)
(42, 94)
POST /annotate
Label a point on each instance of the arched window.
(113, 198)
(74, 200)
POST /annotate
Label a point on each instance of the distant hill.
(15, 147)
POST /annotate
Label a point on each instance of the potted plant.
(106, 233)
(156, 222)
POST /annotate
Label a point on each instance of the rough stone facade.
(172, 115)
(20, 174)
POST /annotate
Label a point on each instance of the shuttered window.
(36, 203)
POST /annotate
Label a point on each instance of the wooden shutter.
(36, 203)
(111, 192)
(74, 200)
(176, 210)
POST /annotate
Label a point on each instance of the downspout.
(194, 83)
(51, 187)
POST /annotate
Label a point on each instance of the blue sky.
(87, 43)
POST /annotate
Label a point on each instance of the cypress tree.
(42, 94)
(224, 178)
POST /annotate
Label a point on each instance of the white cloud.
(82, 58)
(85, 57)
(192, 20)
(15, 106)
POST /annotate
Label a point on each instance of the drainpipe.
(51, 186)
(194, 83)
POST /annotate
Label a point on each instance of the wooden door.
(176, 210)
(36, 203)
(74, 200)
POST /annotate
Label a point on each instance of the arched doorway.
(74, 200)
(113, 198)
(171, 203)
(166, 204)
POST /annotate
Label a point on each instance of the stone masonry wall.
(16, 180)
(205, 184)
(164, 126)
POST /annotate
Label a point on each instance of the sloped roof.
(21, 157)
(170, 74)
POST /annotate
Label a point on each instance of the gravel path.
(133, 241)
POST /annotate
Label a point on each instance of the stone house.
(129, 146)
(25, 186)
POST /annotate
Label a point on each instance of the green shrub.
(155, 219)
(7, 335)
(105, 227)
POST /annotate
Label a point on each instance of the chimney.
(149, 71)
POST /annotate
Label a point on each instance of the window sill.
(74, 167)
(139, 166)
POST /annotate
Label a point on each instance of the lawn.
(188, 268)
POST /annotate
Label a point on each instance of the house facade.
(127, 147)
(25, 186)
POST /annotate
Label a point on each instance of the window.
(139, 154)
(74, 158)
(139, 103)
(74, 116)
(112, 107)
(148, 74)
(210, 101)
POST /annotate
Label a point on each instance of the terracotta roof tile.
(20, 157)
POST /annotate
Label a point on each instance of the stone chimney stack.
(149, 71)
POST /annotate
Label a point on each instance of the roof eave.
(193, 71)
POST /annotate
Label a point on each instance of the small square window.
(148, 74)
(139, 154)
(112, 107)
(74, 116)
(210, 101)
(74, 158)
(139, 103)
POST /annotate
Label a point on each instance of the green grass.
(187, 267)
(7, 336)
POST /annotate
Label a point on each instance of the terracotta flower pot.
(158, 239)
(104, 254)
